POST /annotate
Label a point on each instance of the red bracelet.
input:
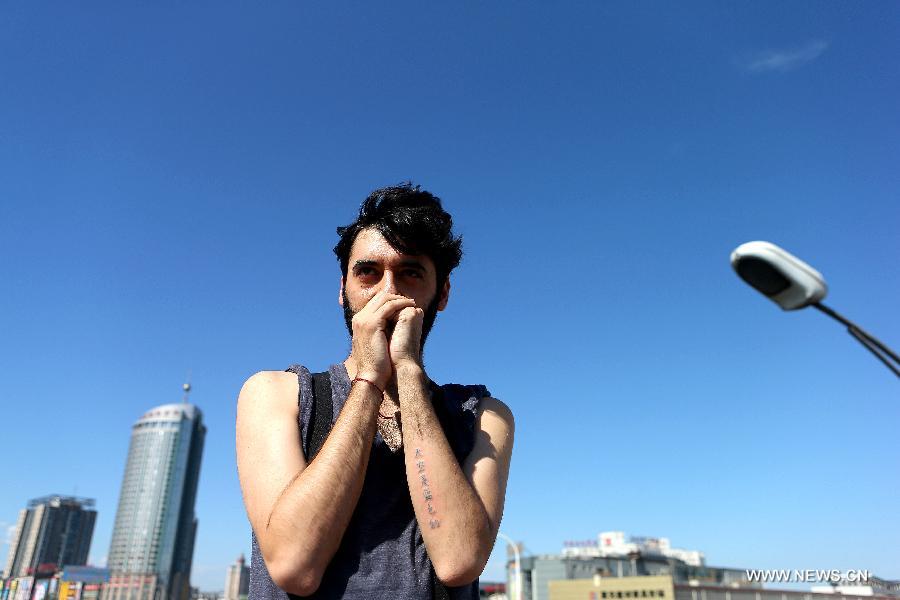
(372, 383)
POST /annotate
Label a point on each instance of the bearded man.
(403, 498)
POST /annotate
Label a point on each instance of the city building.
(538, 571)
(51, 531)
(153, 534)
(664, 587)
(614, 543)
(492, 590)
(648, 587)
(237, 583)
(70, 583)
(612, 556)
(80, 583)
(872, 586)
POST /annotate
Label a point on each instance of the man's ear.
(341, 294)
(445, 295)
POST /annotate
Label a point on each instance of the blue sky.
(171, 179)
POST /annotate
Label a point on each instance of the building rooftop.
(57, 500)
(171, 412)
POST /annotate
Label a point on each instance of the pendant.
(390, 433)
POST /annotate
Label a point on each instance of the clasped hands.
(386, 337)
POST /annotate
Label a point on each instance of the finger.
(391, 308)
(378, 300)
(410, 313)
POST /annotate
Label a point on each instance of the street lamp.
(515, 549)
(792, 284)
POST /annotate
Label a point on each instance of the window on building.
(660, 593)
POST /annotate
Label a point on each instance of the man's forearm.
(309, 519)
(454, 523)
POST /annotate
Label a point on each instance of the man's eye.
(413, 273)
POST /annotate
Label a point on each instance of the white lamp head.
(778, 275)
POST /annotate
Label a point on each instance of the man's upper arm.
(267, 441)
(487, 466)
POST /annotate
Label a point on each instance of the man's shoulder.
(494, 405)
(476, 399)
(264, 379)
(269, 388)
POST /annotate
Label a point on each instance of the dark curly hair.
(412, 221)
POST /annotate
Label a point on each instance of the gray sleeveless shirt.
(382, 554)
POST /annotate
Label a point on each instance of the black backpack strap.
(322, 414)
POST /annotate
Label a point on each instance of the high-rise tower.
(51, 532)
(237, 583)
(153, 535)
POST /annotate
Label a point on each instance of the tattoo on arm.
(433, 522)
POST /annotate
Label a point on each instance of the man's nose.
(389, 283)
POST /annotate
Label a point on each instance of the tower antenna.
(187, 387)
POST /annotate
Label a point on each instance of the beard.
(427, 320)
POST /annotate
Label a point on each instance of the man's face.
(375, 265)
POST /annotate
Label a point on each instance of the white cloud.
(786, 60)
